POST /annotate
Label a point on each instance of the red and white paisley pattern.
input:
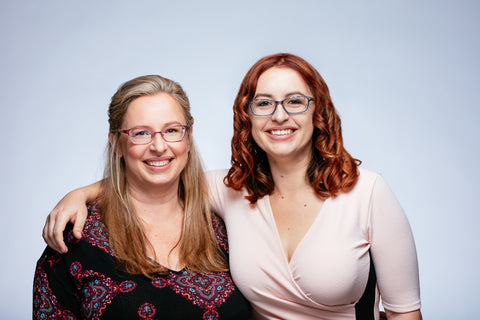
(97, 290)
(85, 283)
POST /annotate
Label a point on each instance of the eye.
(295, 101)
(173, 130)
(140, 132)
(263, 103)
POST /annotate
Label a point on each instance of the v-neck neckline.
(273, 224)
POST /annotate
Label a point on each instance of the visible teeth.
(281, 132)
(158, 163)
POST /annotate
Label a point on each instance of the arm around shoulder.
(72, 208)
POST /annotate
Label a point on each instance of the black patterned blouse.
(85, 284)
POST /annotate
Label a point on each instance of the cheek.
(308, 122)
(257, 129)
(131, 153)
(182, 149)
(309, 125)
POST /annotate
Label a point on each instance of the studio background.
(404, 76)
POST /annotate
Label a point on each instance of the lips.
(158, 163)
(281, 132)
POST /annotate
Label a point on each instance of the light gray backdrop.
(404, 76)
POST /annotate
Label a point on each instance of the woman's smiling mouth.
(158, 163)
(281, 132)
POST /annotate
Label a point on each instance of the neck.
(290, 177)
(151, 205)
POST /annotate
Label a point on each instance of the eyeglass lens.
(296, 104)
(144, 136)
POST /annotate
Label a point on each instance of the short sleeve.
(217, 191)
(393, 251)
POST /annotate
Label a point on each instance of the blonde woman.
(151, 248)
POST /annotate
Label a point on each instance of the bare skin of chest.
(294, 215)
(163, 233)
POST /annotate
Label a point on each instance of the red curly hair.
(331, 170)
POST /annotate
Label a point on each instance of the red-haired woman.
(311, 235)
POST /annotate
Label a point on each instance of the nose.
(280, 115)
(158, 144)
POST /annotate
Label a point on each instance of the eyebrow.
(267, 95)
(165, 125)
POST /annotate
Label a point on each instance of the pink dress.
(330, 275)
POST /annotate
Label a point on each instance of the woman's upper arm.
(216, 191)
(54, 292)
(393, 251)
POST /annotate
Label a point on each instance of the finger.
(56, 233)
(48, 231)
(45, 229)
(79, 224)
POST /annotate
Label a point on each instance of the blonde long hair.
(199, 250)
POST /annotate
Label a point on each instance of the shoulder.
(94, 233)
(368, 181)
(370, 186)
(368, 176)
(220, 195)
(216, 176)
(217, 186)
(373, 182)
(365, 183)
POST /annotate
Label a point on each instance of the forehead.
(153, 111)
(281, 81)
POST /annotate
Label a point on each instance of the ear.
(114, 143)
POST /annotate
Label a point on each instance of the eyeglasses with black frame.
(292, 105)
(145, 136)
